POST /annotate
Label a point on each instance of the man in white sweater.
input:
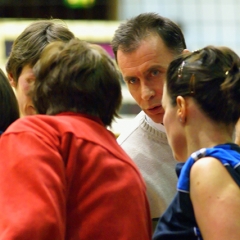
(144, 46)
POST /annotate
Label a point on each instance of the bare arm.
(216, 200)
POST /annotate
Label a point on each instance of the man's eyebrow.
(155, 67)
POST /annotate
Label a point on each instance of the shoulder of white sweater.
(131, 127)
(134, 124)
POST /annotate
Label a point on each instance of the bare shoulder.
(210, 173)
(207, 166)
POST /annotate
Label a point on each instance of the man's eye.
(155, 73)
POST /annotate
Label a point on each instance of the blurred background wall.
(203, 22)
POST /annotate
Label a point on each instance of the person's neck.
(207, 138)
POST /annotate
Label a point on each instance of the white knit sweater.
(149, 149)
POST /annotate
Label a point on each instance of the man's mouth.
(155, 110)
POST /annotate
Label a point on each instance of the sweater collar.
(157, 126)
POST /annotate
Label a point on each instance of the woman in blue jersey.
(201, 99)
(8, 103)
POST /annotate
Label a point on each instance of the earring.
(180, 120)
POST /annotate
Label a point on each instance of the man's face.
(22, 90)
(144, 71)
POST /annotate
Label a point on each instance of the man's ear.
(11, 80)
(181, 111)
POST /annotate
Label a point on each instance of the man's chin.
(157, 118)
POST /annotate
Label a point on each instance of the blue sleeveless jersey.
(178, 222)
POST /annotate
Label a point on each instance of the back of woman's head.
(77, 76)
(9, 107)
(211, 76)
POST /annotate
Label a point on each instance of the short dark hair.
(77, 76)
(130, 33)
(29, 44)
(211, 77)
(9, 111)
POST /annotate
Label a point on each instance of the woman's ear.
(11, 80)
(181, 111)
(185, 51)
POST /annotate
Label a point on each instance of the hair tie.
(180, 70)
(192, 84)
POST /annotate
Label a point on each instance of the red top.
(65, 177)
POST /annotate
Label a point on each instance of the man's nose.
(147, 93)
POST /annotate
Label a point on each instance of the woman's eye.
(131, 80)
